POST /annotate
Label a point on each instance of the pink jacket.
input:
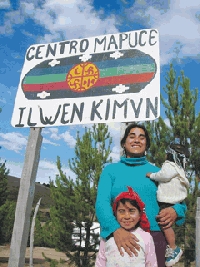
(109, 256)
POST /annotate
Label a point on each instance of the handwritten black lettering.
(116, 104)
(133, 39)
(73, 45)
(31, 124)
(100, 42)
(151, 36)
(62, 46)
(78, 112)
(64, 113)
(136, 110)
(38, 52)
(122, 38)
(140, 38)
(51, 50)
(94, 110)
(149, 106)
(112, 42)
(107, 109)
(28, 56)
(20, 118)
(84, 44)
(47, 120)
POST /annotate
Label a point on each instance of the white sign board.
(108, 78)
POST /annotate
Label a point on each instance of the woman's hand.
(166, 217)
(126, 240)
(148, 174)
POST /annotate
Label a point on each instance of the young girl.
(130, 213)
(172, 189)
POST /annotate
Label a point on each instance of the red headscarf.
(144, 223)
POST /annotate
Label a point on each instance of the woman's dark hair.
(127, 131)
(131, 201)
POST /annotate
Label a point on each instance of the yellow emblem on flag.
(82, 76)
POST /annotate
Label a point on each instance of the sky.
(24, 23)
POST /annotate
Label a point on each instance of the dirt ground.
(39, 261)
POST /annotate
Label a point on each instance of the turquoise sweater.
(115, 178)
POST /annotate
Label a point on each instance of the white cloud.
(61, 19)
(13, 141)
(46, 170)
(11, 18)
(75, 19)
(115, 154)
(114, 129)
(55, 135)
(4, 4)
(178, 23)
(46, 141)
(3, 100)
(167, 122)
(69, 139)
(15, 168)
(8, 93)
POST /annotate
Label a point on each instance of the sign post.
(25, 200)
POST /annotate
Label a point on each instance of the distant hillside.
(41, 191)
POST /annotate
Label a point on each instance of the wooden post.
(32, 232)
(25, 200)
(198, 233)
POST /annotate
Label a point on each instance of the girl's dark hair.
(131, 201)
(170, 157)
(127, 131)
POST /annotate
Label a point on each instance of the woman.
(131, 171)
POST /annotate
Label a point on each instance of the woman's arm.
(103, 207)
(180, 209)
(126, 240)
(176, 213)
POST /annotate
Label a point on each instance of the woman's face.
(135, 144)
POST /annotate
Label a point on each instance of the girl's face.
(135, 144)
(127, 215)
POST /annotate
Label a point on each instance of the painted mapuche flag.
(123, 71)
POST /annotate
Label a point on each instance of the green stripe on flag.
(123, 70)
(49, 78)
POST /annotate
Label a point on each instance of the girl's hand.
(148, 174)
(126, 240)
(167, 217)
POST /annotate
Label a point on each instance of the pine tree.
(6, 207)
(7, 217)
(73, 206)
(180, 106)
(61, 211)
(3, 183)
(160, 137)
